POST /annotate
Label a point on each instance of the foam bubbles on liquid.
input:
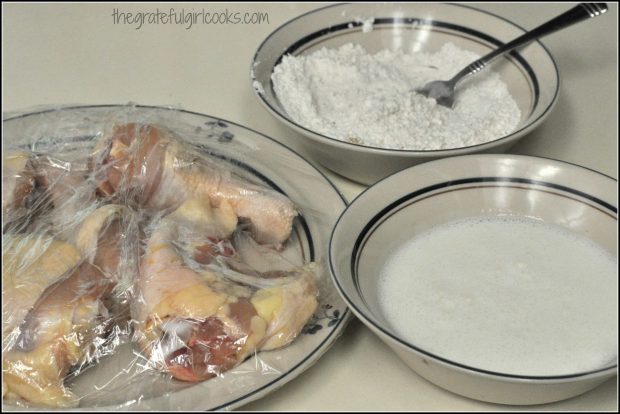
(505, 294)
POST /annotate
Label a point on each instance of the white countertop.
(74, 54)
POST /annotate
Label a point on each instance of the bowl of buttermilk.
(492, 276)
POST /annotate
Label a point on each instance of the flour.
(367, 24)
(353, 96)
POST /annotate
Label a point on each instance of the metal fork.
(443, 91)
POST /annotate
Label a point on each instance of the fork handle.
(578, 13)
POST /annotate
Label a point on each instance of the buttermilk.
(504, 294)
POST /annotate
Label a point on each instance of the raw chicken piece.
(196, 322)
(193, 325)
(42, 193)
(149, 165)
(29, 265)
(286, 304)
(54, 307)
(66, 191)
(54, 337)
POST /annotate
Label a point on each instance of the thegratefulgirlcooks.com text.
(187, 18)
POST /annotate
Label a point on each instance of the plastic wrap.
(139, 262)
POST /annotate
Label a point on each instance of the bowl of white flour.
(343, 78)
(493, 276)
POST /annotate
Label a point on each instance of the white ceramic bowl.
(531, 73)
(419, 198)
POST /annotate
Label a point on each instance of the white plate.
(71, 130)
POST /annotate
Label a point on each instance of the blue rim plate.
(261, 159)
